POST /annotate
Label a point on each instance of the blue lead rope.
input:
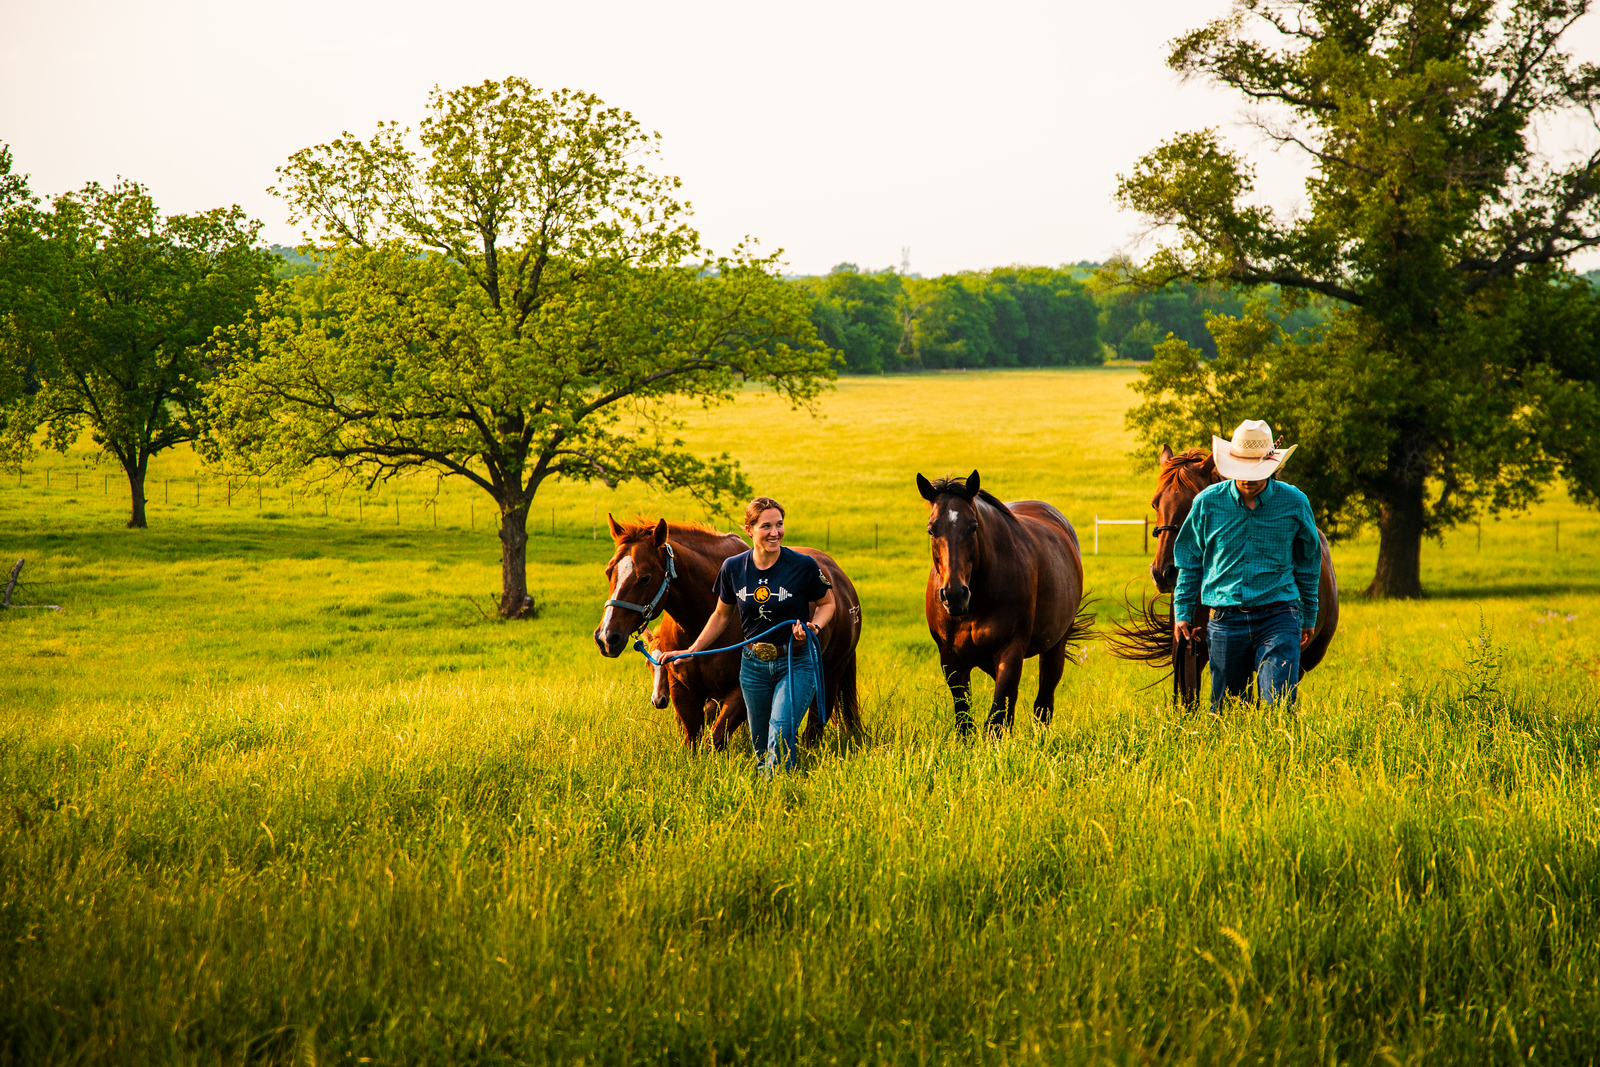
(813, 654)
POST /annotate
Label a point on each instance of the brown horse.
(694, 686)
(1006, 584)
(670, 569)
(1147, 633)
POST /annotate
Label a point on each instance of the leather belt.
(1248, 610)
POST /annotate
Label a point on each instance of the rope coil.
(813, 655)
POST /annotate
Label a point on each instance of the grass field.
(274, 789)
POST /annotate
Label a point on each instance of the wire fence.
(446, 505)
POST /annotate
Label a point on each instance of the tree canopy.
(507, 295)
(111, 313)
(1439, 385)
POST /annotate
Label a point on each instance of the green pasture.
(275, 787)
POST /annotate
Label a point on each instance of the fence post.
(166, 490)
(196, 490)
(1147, 535)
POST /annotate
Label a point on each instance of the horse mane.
(958, 487)
(1193, 468)
(644, 528)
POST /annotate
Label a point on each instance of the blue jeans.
(1264, 642)
(775, 708)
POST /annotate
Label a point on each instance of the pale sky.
(976, 134)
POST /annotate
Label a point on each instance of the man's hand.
(1183, 631)
(1305, 637)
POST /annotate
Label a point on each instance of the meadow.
(275, 787)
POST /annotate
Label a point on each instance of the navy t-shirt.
(781, 593)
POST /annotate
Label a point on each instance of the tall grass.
(273, 790)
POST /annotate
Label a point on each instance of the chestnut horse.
(670, 569)
(703, 682)
(1147, 633)
(1006, 584)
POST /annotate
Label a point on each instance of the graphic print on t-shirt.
(782, 592)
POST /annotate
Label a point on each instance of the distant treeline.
(883, 321)
(1009, 317)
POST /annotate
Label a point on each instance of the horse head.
(664, 638)
(957, 537)
(640, 573)
(1182, 477)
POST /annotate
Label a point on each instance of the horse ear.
(925, 487)
(1166, 452)
(616, 529)
(661, 533)
(972, 484)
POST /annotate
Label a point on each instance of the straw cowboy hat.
(1250, 455)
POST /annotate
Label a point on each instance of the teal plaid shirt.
(1231, 556)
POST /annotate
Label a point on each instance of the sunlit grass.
(275, 789)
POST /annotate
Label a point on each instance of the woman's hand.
(800, 629)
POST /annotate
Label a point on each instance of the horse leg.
(690, 708)
(959, 679)
(1052, 663)
(1007, 677)
(732, 717)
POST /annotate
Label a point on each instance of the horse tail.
(847, 703)
(1083, 624)
(1145, 634)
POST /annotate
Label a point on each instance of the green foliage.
(862, 316)
(1008, 317)
(1435, 225)
(113, 330)
(508, 297)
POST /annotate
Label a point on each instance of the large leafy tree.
(508, 295)
(112, 312)
(1438, 388)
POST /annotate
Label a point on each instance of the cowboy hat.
(1250, 455)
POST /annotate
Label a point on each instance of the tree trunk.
(515, 603)
(1400, 522)
(136, 473)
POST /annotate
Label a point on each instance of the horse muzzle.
(1166, 579)
(611, 643)
(957, 599)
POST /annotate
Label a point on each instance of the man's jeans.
(1265, 642)
(774, 707)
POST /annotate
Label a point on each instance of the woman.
(757, 590)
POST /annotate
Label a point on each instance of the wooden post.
(230, 492)
(435, 506)
(196, 490)
(12, 584)
(397, 509)
(358, 511)
(1147, 535)
(105, 487)
(74, 481)
(166, 490)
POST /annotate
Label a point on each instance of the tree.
(1432, 221)
(116, 330)
(19, 251)
(1058, 315)
(859, 315)
(506, 297)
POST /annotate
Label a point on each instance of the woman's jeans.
(774, 706)
(1264, 642)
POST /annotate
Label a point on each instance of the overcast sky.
(976, 134)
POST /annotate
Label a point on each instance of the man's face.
(1250, 490)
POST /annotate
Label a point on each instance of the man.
(1249, 551)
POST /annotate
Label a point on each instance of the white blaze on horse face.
(953, 516)
(619, 578)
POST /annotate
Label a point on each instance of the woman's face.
(766, 533)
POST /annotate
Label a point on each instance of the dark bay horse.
(669, 569)
(1006, 584)
(1146, 635)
